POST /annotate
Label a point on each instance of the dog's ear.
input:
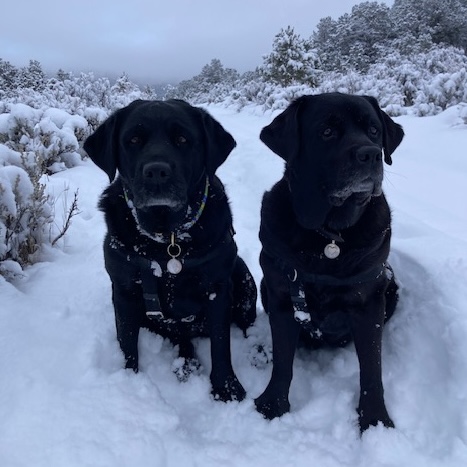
(282, 134)
(392, 131)
(218, 142)
(101, 146)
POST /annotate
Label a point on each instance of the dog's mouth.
(164, 202)
(360, 193)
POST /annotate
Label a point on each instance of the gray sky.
(153, 41)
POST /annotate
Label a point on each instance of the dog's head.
(334, 145)
(162, 150)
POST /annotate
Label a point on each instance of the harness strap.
(297, 280)
(149, 283)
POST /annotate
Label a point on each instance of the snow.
(65, 399)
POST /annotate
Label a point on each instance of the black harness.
(151, 268)
(149, 280)
(297, 279)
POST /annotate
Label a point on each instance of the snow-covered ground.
(65, 400)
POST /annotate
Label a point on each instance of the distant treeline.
(410, 56)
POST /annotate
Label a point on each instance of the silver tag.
(174, 266)
(331, 250)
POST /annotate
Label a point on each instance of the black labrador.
(169, 249)
(325, 234)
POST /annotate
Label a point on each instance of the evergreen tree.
(8, 76)
(63, 75)
(212, 77)
(32, 76)
(214, 73)
(123, 85)
(148, 93)
(292, 60)
(355, 40)
(421, 23)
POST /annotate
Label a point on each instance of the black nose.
(158, 172)
(368, 154)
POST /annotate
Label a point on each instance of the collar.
(329, 234)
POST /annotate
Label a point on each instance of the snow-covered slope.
(66, 401)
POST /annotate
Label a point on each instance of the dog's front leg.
(127, 324)
(225, 385)
(367, 330)
(274, 401)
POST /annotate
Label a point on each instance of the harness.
(151, 269)
(297, 278)
(310, 323)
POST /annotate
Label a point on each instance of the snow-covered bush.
(33, 143)
(25, 218)
(425, 83)
(48, 140)
(463, 113)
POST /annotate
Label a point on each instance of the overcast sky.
(153, 41)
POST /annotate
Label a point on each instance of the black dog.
(169, 249)
(325, 233)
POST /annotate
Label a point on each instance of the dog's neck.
(162, 225)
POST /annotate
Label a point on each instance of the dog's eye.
(373, 131)
(135, 140)
(327, 132)
(180, 140)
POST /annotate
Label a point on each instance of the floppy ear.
(392, 131)
(101, 146)
(218, 142)
(281, 135)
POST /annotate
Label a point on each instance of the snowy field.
(65, 400)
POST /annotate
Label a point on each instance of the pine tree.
(421, 23)
(8, 76)
(292, 60)
(63, 75)
(32, 76)
(355, 40)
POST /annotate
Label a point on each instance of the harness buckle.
(155, 315)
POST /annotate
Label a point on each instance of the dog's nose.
(368, 154)
(158, 172)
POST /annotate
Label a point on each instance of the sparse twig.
(72, 211)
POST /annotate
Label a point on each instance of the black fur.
(163, 152)
(331, 190)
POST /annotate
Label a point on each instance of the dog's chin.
(160, 218)
(162, 202)
(357, 194)
(357, 199)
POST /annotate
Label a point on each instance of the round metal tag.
(332, 251)
(174, 266)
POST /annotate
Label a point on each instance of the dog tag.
(331, 250)
(174, 266)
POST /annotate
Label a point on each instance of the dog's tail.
(244, 296)
(392, 295)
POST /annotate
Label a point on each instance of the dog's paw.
(231, 390)
(272, 407)
(367, 419)
(132, 364)
(260, 356)
(183, 368)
